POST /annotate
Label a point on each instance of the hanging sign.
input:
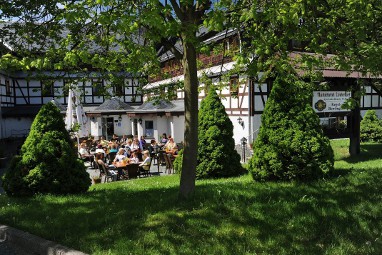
(330, 101)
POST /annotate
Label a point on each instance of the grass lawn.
(339, 215)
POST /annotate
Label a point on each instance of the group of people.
(131, 150)
(166, 144)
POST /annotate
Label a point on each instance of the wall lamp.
(140, 121)
(120, 118)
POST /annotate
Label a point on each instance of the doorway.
(108, 127)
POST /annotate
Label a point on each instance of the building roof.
(163, 107)
(154, 105)
(113, 104)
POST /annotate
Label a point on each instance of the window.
(97, 87)
(47, 88)
(118, 90)
(8, 89)
(65, 88)
(149, 128)
(234, 86)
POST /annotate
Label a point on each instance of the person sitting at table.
(100, 150)
(115, 138)
(163, 140)
(120, 155)
(127, 150)
(134, 157)
(103, 165)
(102, 141)
(153, 147)
(123, 140)
(142, 142)
(113, 148)
(145, 165)
(136, 146)
(129, 143)
(85, 155)
(171, 147)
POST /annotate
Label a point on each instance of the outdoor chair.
(111, 156)
(87, 158)
(143, 171)
(105, 172)
(169, 165)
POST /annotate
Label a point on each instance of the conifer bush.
(371, 127)
(290, 144)
(48, 162)
(178, 162)
(217, 156)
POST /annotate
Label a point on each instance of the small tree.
(291, 144)
(48, 161)
(371, 129)
(178, 162)
(217, 156)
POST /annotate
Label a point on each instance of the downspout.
(250, 133)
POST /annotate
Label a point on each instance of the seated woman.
(134, 157)
(171, 147)
(120, 155)
(104, 166)
(113, 148)
(153, 147)
(100, 150)
(145, 165)
(163, 140)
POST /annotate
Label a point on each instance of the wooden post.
(355, 121)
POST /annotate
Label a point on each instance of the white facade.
(247, 103)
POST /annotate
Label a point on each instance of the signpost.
(330, 101)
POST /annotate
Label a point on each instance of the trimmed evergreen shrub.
(178, 162)
(217, 156)
(290, 144)
(371, 127)
(48, 162)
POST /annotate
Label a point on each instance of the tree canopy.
(120, 35)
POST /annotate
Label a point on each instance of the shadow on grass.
(233, 216)
(368, 152)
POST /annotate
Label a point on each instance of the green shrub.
(371, 127)
(290, 144)
(178, 162)
(48, 161)
(217, 156)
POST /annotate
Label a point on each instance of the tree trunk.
(187, 179)
(355, 123)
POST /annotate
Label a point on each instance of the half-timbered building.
(244, 98)
(22, 94)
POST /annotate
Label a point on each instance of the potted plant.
(96, 179)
